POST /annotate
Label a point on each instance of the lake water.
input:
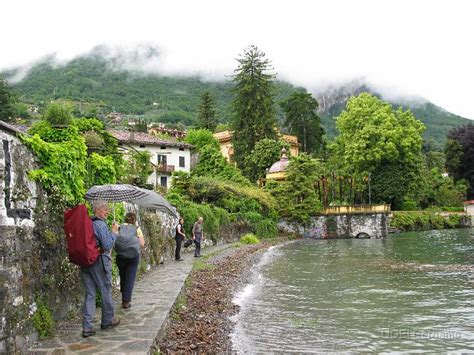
(406, 292)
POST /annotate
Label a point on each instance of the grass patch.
(202, 265)
(249, 238)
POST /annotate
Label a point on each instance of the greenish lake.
(406, 292)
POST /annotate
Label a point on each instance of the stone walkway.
(153, 298)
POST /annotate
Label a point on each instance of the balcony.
(161, 168)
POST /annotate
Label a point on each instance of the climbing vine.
(63, 166)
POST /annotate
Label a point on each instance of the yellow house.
(225, 141)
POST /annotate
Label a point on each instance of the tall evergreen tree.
(207, 112)
(7, 101)
(253, 104)
(302, 121)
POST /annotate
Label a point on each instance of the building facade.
(227, 150)
(167, 156)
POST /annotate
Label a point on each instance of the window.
(164, 181)
(142, 145)
(181, 149)
(162, 147)
(182, 163)
(161, 159)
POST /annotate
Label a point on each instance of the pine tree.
(207, 112)
(253, 103)
(7, 101)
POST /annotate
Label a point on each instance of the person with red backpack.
(99, 274)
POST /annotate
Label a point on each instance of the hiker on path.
(127, 247)
(179, 237)
(198, 236)
(99, 275)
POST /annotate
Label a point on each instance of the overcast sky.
(411, 47)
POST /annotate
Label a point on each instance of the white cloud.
(418, 47)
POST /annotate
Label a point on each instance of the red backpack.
(80, 238)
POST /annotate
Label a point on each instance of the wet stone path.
(153, 299)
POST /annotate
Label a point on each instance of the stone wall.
(34, 270)
(340, 226)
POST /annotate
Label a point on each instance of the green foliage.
(63, 167)
(7, 101)
(265, 153)
(253, 103)
(138, 168)
(372, 133)
(301, 120)
(460, 155)
(381, 143)
(297, 199)
(101, 170)
(43, 320)
(408, 205)
(249, 238)
(214, 217)
(207, 112)
(93, 140)
(59, 113)
(422, 220)
(219, 202)
(201, 138)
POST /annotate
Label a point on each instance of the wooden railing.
(164, 168)
(357, 209)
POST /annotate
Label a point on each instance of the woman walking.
(127, 247)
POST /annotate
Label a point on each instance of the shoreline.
(201, 318)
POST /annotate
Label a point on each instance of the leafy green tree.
(211, 161)
(7, 101)
(382, 143)
(460, 155)
(265, 153)
(138, 168)
(296, 197)
(207, 112)
(253, 104)
(302, 121)
(200, 138)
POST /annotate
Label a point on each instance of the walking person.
(127, 247)
(179, 237)
(198, 236)
(99, 275)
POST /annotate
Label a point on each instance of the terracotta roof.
(146, 139)
(223, 136)
(470, 202)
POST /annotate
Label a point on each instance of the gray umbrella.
(151, 199)
(114, 193)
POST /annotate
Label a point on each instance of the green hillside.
(91, 80)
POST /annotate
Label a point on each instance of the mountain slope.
(93, 79)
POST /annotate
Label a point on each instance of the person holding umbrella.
(99, 275)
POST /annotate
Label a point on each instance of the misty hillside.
(91, 79)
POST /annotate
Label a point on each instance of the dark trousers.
(177, 253)
(197, 243)
(128, 272)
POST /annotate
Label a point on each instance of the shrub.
(249, 238)
(43, 320)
